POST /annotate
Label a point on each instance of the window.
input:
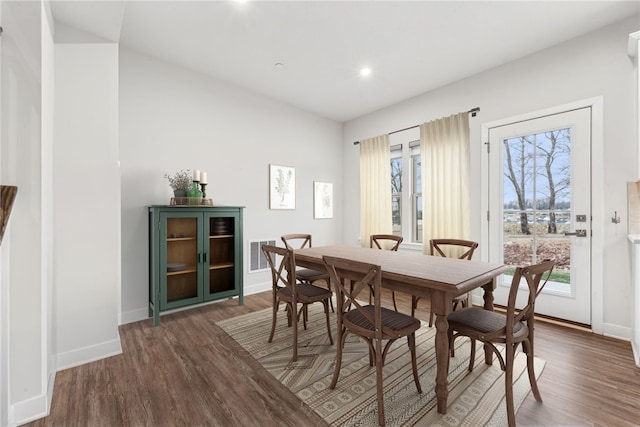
(406, 190)
(396, 189)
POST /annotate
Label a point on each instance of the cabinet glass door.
(221, 231)
(180, 248)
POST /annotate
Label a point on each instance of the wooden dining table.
(441, 279)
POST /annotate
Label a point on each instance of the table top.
(403, 269)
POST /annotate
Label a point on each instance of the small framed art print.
(282, 187)
(322, 200)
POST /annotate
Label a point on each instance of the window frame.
(406, 145)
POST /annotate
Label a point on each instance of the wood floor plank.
(189, 372)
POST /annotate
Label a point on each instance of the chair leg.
(508, 382)
(452, 350)
(412, 346)
(295, 333)
(472, 359)
(276, 306)
(336, 370)
(305, 315)
(380, 394)
(326, 310)
(289, 315)
(527, 347)
(372, 355)
(430, 317)
(414, 305)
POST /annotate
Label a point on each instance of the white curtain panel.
(444, 150)
(375, 188)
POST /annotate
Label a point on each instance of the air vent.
(257, 261)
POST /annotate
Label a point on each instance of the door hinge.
(488, 146)
(487, 216)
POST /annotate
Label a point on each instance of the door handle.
(577, 233)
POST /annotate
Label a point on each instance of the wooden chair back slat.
(448, 247)
(385, 241)
(296, 241)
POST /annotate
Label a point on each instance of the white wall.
(48, 309)
(86, 184)
(27, 244)
(172, 118)
(593, 65)
(4, 278)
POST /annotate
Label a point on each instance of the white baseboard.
(257, 288)
(50, 383)
(134, 315)
(636, 353)
(34, 408)
(28, 410)
(88, 354)
(143, 313)
(616, 331)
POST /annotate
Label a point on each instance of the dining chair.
(286, 289)
(511, 328)
(390, 242)
(462, 249)
(371, 322)
(305, 275)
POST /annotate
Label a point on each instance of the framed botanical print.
(322, 200)
(282, 187)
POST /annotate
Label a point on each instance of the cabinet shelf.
(193, 269)
(221, 265)
(181, 235)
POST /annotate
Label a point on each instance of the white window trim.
(407, 141)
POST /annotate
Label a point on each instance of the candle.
(203, 178)
(196, 175)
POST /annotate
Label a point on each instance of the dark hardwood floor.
(188, 372)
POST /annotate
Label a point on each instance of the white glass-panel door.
(540, 207)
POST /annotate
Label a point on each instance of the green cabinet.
(195, 256)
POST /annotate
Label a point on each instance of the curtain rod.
(473, 112)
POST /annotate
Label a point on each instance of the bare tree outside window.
(554, 151)
(518, 169)
(406, 191)
(537, 197)
(396, 195)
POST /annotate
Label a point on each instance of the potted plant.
(180, 182)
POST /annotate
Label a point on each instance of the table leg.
(441, 306)
(442, 362)
(488, 305)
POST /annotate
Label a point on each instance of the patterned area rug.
(475, 398)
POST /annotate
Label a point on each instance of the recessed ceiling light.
(366, 71)
(279, 65)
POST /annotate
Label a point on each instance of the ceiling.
(411, 46)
